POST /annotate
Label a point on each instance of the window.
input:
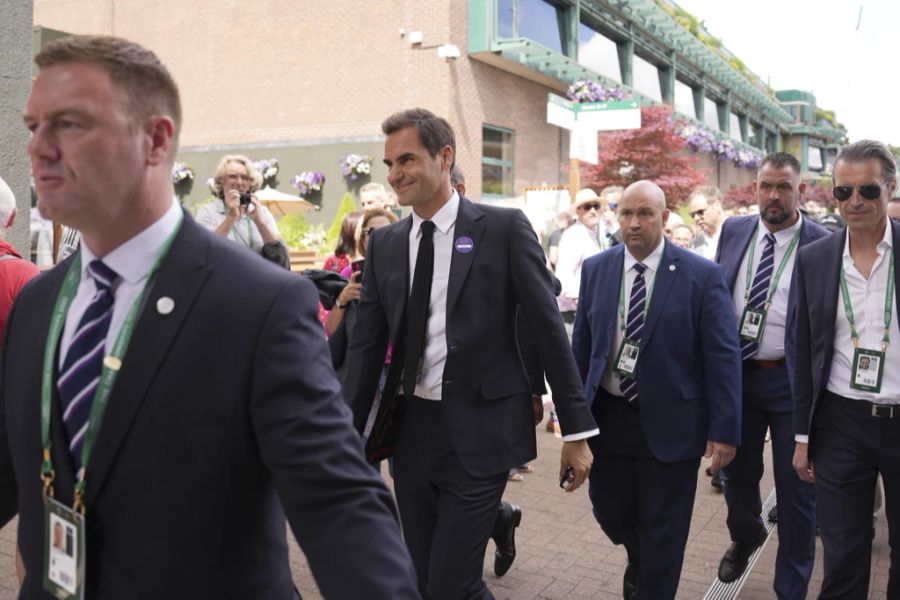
(598, 53)
(646, 78)
(496, 161)
(711, 114)
(734, 126)
(684, 99)
(755, 135)
(539, 20)
(814, 160)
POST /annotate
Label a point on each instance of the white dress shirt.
(435, 354)
(611, 379)
(578, 242)
(867, 297)
(771, 346)
(132, 262)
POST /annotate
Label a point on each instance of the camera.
(245, 198)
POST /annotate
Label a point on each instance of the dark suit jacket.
(689, 366)
(486, 393)
(733, 243)
(818, 295)
(225, 417)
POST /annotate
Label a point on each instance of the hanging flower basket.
(268, 168)
(354, 166)
(588, 90)
(309, 182)
(182, 173)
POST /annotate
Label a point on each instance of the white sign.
(583, 144)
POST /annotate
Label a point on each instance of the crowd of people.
(166, 384)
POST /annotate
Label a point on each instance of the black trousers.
(447, 515)
(851, 447)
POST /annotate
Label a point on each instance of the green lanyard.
(234, 230)
(650, 289)
(781, 266)
(111, 365)
(888, 306)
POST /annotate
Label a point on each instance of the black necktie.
(417, 309)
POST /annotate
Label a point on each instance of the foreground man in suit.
(657, 347)
(456, 370)
(758, 255)
(847, 371)
(220, 414)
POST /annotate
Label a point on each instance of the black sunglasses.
(592, 206)
(871, 191)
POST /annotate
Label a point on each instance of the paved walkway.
(562, 553)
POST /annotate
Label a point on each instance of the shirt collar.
(652, 260)
(133, 259)
(887, 241)
(783, 237)
(443, 219)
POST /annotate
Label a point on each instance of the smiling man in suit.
(182, 396)
(758, 255)
(443, 287)
(656, 344)
(847, 370)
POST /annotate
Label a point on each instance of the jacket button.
(454, 347)
(448, 382)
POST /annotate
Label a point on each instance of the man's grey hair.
(864, 150)
(456, 176)
(256, 179)
(7, 203)
(373, 187)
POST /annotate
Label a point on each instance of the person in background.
(346, 250)
(372, 196)
(682, 235)
(239, 215)
(15, 271)
(563, 221)
(608, 227)
(705, 206)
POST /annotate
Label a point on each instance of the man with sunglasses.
(578, 242)
(705, 206)
(757, 254)
(847, 418)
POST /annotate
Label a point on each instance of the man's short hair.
(7, 203)
(864, 150)
(456, 176)
(256, 179)
(612, 190)
(147, 83)
(712, 194)
(780, 160)
(373, 187)
(434, 131)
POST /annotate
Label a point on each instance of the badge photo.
(868, 369)
(626, 360)
(752, 322)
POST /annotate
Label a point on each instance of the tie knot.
(770, 239)
(427, 228)
(103, 276)
(640, 268)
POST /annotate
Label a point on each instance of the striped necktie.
(634, 326)
(759, 290)
(80, 373)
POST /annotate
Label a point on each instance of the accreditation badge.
(752, 322)
(64, 551)
(867, 370)
(626, 360)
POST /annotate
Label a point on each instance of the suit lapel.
(182, 275)
(468, 224)
(743, 237)
(665, 277)
(611, 283)
(397, 287)
(829, 275)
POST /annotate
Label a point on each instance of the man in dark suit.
(656, 344)
(217, 417)
(467, 407)
(757, 254)
(846, 416)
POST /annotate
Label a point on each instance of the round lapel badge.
(165, 305)
(671, 267)
(464, 244)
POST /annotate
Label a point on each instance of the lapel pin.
(113, 363)
(464, 244)
(671, 267)
(165, 305)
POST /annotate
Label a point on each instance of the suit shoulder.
(827, 242)
(692, 261)
(814, 230)
(595, 261)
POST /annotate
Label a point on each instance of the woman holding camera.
(238, 215)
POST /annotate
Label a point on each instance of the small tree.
(654, 152)
(348, 205)
(739, 196)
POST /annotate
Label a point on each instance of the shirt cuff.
(581, 436)
(803, 439)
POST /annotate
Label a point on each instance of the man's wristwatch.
(337, 304)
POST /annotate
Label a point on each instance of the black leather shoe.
(629, 581)
(508, 518)
(734, 563)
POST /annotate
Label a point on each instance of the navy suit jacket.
(817, 279)
(689, 366)
(737, 232)
(226, 417)
(486, 392)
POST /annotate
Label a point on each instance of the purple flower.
(268, 168)
(588, 90)
(181, 172)
(309, 182)
(354, 166)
